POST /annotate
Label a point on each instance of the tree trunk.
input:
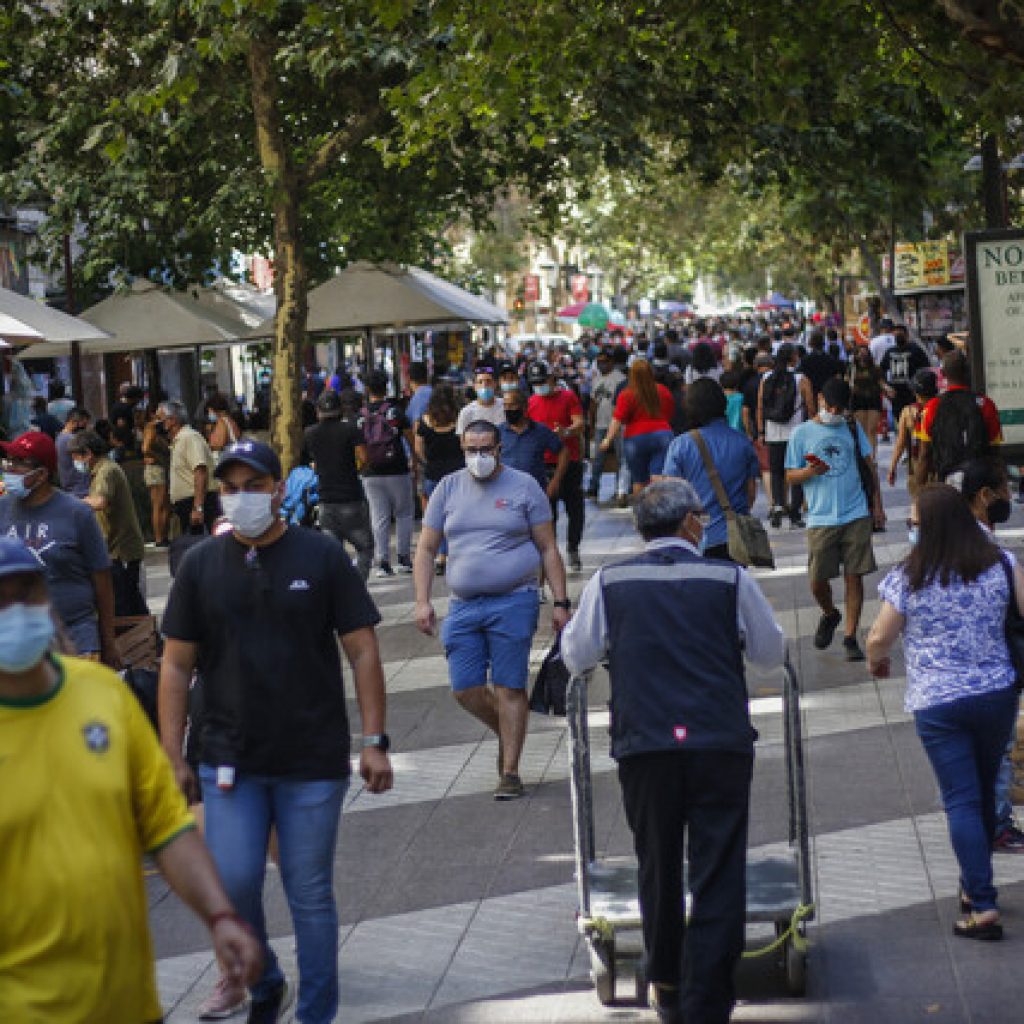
(992, 183)
(291, 276)
(873, 268)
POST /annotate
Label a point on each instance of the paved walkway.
(455, 908)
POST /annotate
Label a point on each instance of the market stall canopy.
(382, 295)
(24, 319)
(592, 314)
(775, 301)
(148, 316)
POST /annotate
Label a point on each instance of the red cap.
(33, 445)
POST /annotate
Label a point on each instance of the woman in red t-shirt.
(643, 412)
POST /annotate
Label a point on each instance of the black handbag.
(867, 478)
(552, 683)
(1014, 624)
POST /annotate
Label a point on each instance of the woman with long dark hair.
(438, 448)
(949, 599)
(643, 411)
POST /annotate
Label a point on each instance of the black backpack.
(958, 431)
(778, 401)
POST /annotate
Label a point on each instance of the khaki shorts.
(154, 476)
(840, 550)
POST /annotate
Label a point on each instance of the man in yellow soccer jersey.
(86, 792)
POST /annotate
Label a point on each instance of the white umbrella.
(378, 296)
(24, 319)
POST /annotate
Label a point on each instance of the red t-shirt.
(635, 418)
(989, 413)
(554, 411)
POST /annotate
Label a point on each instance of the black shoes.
(268, 1010)
(852, 649)
(827, 629)
(574, 560)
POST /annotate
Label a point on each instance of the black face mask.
(515, 416)
(999, 511)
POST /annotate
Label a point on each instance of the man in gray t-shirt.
(497, 522)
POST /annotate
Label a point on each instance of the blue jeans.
(306, 815)
(646, 453)
(1004, 805)
(964, 741)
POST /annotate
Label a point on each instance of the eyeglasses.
(489, 450)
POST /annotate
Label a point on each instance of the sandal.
(966, 906)
(971, 928)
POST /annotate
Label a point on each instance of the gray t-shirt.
(488, 524)
(65, 534)
(602, 395)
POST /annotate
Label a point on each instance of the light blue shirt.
(736, 461)
(585, 638)
(837, 497)
(418, 403)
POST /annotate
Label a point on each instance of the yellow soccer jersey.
(85, 791)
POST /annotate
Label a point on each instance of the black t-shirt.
(750, 390)
(273, 698)
(399, 464)
(331, 445)
(899, 364)
(819, 367)
(443, 450)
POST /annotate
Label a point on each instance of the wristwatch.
(566, 604)
(380, 740)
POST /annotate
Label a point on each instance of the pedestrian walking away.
(262, 610)
(674, 628)
(825, 456)
(335, 449)
(497, 522)
(87, 793)
(949, 599)
(193, 491)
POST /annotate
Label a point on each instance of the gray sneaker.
(510, 788)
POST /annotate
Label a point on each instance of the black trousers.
(125, 577)
(570, 493)
(211, 510)
(695, 801)
(777, 465)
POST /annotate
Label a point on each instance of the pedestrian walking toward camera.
(262, 610)
(87, 793)
(64, 533)
(335, 449)
(497, 522)
(110, 497)
(386, 476)
(675, 628)
(830, 458)
(949, 600)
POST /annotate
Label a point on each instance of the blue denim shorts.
(490, 632)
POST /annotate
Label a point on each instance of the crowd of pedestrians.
(688, 425)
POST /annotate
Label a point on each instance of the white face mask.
(81, 466)
(481, 466)
(830, 419)
(250, 514)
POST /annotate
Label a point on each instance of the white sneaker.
(224, 1001)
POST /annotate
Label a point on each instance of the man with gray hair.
(193, 490)
(675, 628)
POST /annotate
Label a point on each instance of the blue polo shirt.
(525, 451)
(734, 458)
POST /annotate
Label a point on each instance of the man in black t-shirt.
(335, 448)
(818, 366)
(261, 610)
(898, 366)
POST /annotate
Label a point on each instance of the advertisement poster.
(922, 265)
(995, 288)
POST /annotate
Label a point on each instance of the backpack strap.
(712, 471)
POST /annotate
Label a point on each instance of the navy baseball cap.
(255, 454)
(17, 557)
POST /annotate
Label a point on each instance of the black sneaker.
(827, 629)
(852, 649)
(574, 560)
(1009, 840)
(384, 571)
(796, 522)
(775, 518)
(510, 787)
(268, 1010)
(404, 567)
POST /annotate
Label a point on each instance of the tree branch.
(357, 131)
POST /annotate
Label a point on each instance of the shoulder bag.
(867, 478)
(1014, 624)
(748, 539)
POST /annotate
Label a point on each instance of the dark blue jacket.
(674, 654)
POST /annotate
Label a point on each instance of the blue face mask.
(14, 485)
(913, 535)
(26, 632)
(543, 390)
(485, 394)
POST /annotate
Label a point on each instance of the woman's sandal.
(966, 906)
(971, 928)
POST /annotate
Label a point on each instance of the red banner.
(580, 288)
(531, 288)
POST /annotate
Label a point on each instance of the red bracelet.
(229, 915)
